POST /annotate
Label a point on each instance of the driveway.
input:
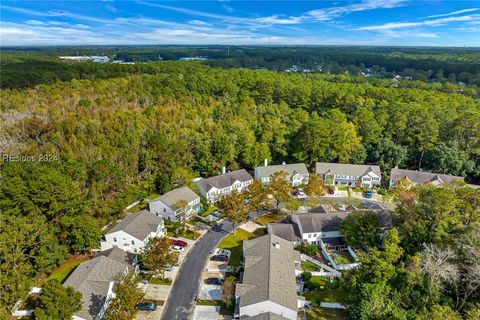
(185, 287)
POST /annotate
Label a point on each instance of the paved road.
(182, 295)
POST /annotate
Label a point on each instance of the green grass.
(153, 196)
(309, 266)
(165, 282)
(326, 314)
(268, 218)
(62, 272)
(224, 309)
(233, 242)
(330, 292)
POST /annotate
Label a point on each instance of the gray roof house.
(132, 233)
(349, 174)
(167, 205)
(213, 188)
(419, 177)
(297, 172)
(286, 231)
(267, 316)
(95, 279)
(268, 282)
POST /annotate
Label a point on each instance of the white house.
(268, 283)
(169, 205)
(339, 174)
(419, 177)
(95, 280)
(134, 231)
(214, 188)
(297, 173)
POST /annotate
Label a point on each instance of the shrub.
(306, 276)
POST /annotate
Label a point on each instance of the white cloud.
(327, 14)
(454, 13)
(34, 22)
(199, 23)
(228, 8)
(431, 23)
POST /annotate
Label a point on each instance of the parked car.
(215, 281)
(176, 249)
(224, 252)
(180, 243)
(219, 257)
(368, 194)
(330, 191)
(168, 267)
(146, 306)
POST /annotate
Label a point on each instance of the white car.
(176, 249)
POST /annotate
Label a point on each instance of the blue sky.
(341, 22)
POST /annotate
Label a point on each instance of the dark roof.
(319, 209)
(119, 255)
(286, 231)
(224, 180)
(419, 177)
(139, 224)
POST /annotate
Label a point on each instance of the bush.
(309, 250)
(382, 192)
(306, 276)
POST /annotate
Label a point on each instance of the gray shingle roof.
(287, 231)
(345, 169)
(291, 169)
(419, 177)
(269, 273)
(92, 278)
(139, 224)
(267, 316)
(224, 180)
(172, 197)
(119, 255)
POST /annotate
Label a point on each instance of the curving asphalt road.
(179, 305)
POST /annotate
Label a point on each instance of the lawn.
(233, 242)
(309, 266)
(174, 227)
(343, 257)
(268, 218)
(326, 314)
(165, 282)
(330, 292)
(65, 269)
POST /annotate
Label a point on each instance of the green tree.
(127, 296)
(57, 302)
(279, 187)
(157, 255)
(361, 230)
(257, 196)
(233, 207)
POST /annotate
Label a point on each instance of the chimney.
(283, 163)
(276, 244)
(224, 169)
(265, 162)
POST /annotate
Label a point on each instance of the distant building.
(167, 205)
(193, 58)
(419, 177)
(297, 173)
(100, 59)
(133, 232)
(268, 289)
(95, 280)
(214, 188)
(351, 175)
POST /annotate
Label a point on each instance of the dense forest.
(103, 143)
(439, 65)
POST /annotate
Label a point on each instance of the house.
(119, 255)
(134, 231)
(268, 284)
(95, 279)
(297, 173)
(339, 174)
(176, 205)
(419, 177)
(286, 231)
(267, 316)
(214, 188)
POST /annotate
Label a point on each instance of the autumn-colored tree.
(233, 207)
(292, 205)
(157, 254)
(257, 196)
(315, 186)
(279, 187)
(127, 296)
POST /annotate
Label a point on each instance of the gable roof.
(224, 180)
(419, 177)
(119, 255)
(139, 224)
(269, 272)
(286, 231)
(346, 169)
(172, 197)
(267, 316)
(93, 279)
(291, 169)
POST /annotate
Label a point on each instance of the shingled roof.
(139, 224)
(172, 197)
(267, 316)
(93, 279)
(291, 169)
(419, 177)
(346, 169)
(224, 180)
(269, 272)
(119, 255)
(287, 231)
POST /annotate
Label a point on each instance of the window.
(133, 242)
(114, 239)
(314, 235)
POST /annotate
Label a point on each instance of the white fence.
(326, 270)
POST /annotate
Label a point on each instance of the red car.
(180, 243)
(330, 191)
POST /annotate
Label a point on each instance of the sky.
(341, 22)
